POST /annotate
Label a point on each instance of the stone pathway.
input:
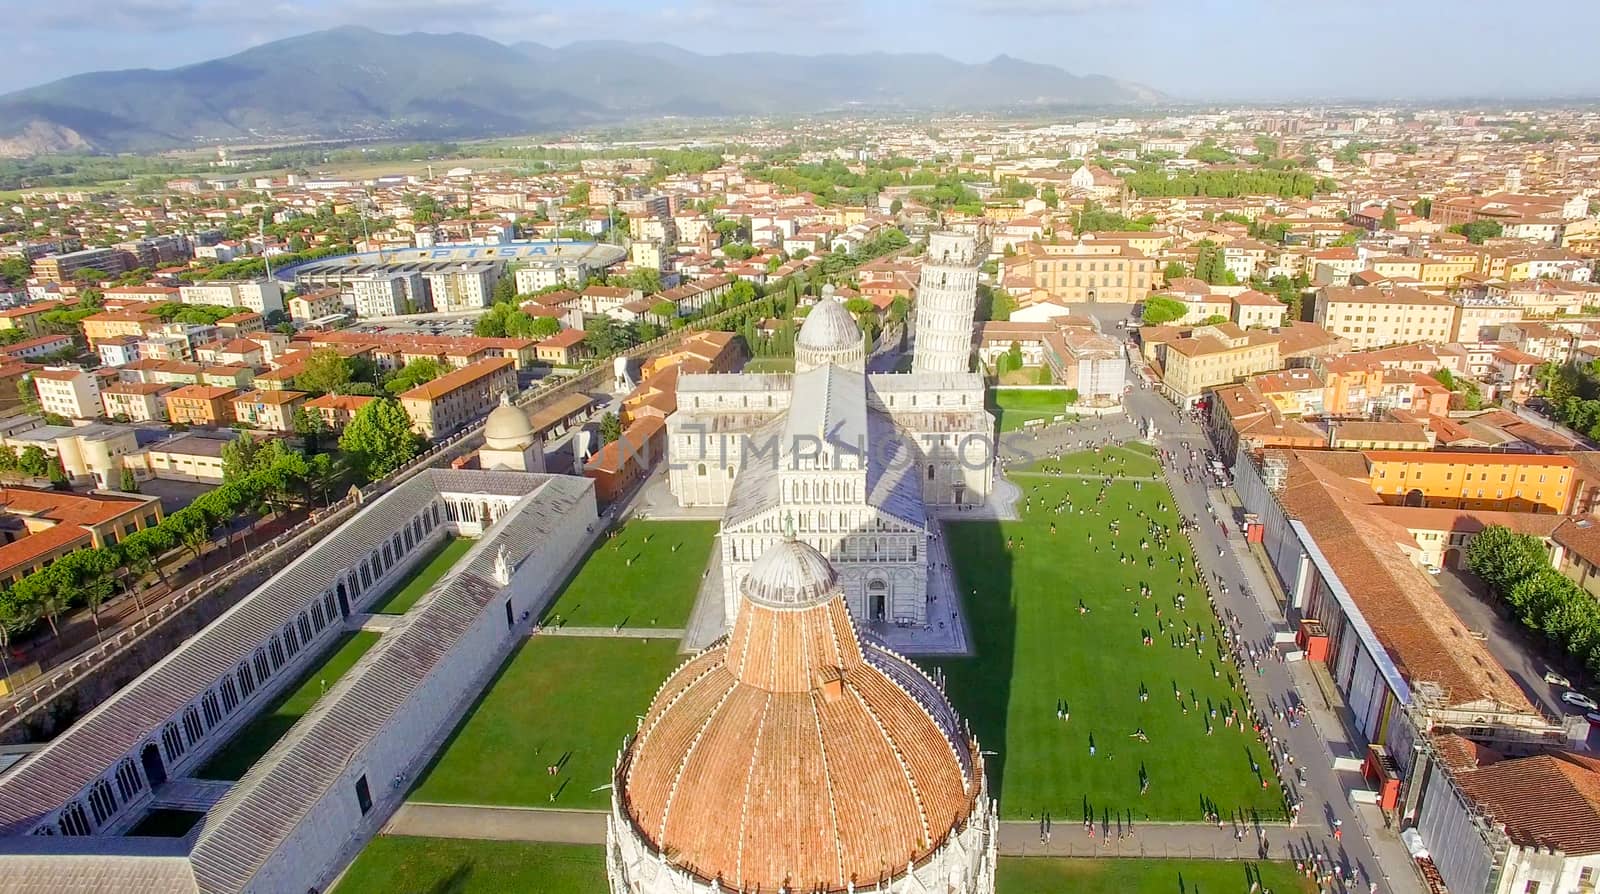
(498, 823)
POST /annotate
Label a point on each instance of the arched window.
(702, 470)
(930, 471)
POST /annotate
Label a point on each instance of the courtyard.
(396, 863)
(1085, 717)
(558, 701)
(444, 555)
(1044, 875)
(1014, 407)
(261, 733)
(643, 574)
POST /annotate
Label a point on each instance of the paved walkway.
(616, 632)
(1197, 841)
(498, 823)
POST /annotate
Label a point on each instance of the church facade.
(852, 461)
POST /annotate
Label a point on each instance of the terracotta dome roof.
(829, 327)
(507, 427)
(794, 755)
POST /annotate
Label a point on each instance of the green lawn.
(770, 365)
(446, 554)
(249, 744)
(1013, 408)
(401, 864)
(1045, 875)
(1035, 649)
(164, 823)
(557, 696)
(646, 575)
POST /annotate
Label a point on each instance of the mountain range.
(356, 83)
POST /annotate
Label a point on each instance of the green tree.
(1502, 557)
(417, 372)
(1014, 355)
(14, 271)
(610, 428)
(379, 439)
(1050, 198)
(1479, 230)
(1159, 310)
(129, 483)
(1422, 207)
(1175, 270)
(1389, 220)
(326, 371)
(34, 462)
(28, 394)
(311, 427)
(543, 327)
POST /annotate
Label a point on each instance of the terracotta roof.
(812, 759)
(459, 378)
(269, 397)
(566, 338)
(25, 550)
(1548, 800)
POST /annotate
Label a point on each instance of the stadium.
(577, 260)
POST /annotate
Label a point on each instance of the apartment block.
(1511, 482)
(442, 406)
(1373, 317)
(68, 391)
(208, 405)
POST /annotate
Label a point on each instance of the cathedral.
(796, 755)
(851, 461)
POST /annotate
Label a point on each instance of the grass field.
(647, 575)
(1044, 875)
(400, 864)
(770, 365)
(1035, 649)
(260, 734)
(164, 823)
(557, 697)
(1013, 408)
(446, 554)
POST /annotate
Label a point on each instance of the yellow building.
(442, 406)
(55, 523)
(1394, 267)
(1510, 482)
(1089, 271)
(110, 325)
(268, 410)
(29, 317)
(1191, 361)
(1444, 271)
(1372, 317)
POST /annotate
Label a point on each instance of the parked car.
(1555, 679)
(1579, 700)
(1435, 569)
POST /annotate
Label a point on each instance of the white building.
(260, 295)
(536, 275)
(68, 391)
(293, 821)
(468, 287)
(387, 295)
(851, 460)
(947, 297)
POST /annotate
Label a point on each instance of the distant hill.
(357, 83)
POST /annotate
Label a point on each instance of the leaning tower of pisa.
(947, 296)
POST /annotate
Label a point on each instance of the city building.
(1510, 482)
(65, 267)
(510, 442)
(462, 288)
(268, 410)
(387, 295)
(905, 810)
(54, 523)
(1373, 317)
(337, 409)
(446, 404)
(135, 401)
(68, 391)
(315, 305)
(204, 405)
(260, 295)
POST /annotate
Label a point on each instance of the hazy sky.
(1193, 49)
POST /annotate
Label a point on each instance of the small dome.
(507, 428)
(790, 574)
(829, 327)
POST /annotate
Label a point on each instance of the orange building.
(201, 405)
(627, 459)
(1509, 482)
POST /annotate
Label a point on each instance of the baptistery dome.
(794, 755)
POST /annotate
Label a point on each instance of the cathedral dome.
(829, 335)
(507, 428)
(794, 756)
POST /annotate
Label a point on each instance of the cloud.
(1049, 7)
